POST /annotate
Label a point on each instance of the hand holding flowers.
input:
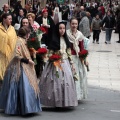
(83, 56)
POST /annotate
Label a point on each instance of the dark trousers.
(119, 35)
(96, 34)
(108, 34)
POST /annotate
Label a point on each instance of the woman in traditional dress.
(20, 90)
(8, 39)
(59, 90)
(77, 44)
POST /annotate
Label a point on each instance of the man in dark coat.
(65, 12)
(47, 22)
(118, 26)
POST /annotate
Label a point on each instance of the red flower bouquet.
(32, 39)
(42, 51)
(42, 29)
(83, 54)
(56, 59)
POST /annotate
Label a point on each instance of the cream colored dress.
(81, 84)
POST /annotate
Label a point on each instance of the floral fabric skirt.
(58, 90)
(81, 84)
(17, 96)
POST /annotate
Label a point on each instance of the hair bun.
(23, 31)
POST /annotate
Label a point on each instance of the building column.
(43, 3)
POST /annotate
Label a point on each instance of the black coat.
(118, 23)
(47, 37)
(109, 22)
(65, 12)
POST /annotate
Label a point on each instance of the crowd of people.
(42, 62)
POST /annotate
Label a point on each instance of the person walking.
(96, 28)
(84, 25)
(109, 21)
(118, 27)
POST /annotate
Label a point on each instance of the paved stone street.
(105, 64)
(103, 101)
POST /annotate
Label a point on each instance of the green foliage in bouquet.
(33, 41)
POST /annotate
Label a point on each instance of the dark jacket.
(118, 23)
(47, 37)
(109, 22)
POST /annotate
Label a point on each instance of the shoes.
(97, 42)
(105, 42)
(118, 41)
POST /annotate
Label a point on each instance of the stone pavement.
(104, 60)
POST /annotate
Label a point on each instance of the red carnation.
(55, 57)
(42, 51)
(32, 39)
(83, 54)
(42, 29)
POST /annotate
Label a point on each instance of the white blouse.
(63, 48)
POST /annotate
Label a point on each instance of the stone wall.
(2, 2)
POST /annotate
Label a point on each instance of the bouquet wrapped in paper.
(34, 42)
(40, 32)
(56, 59)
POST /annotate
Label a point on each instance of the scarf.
(74, 39)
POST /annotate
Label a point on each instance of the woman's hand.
(82, 61)
(43, 25)
(73, 68)
(31, 62)
(86, 63)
